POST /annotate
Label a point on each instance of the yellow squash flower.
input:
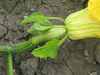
(94, 7)
(85, 23)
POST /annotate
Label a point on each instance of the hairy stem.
(9, 63)
(3, 48)
(54, 33)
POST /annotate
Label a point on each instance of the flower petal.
(94, 7)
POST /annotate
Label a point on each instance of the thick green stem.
(61, 42)
(9, 63)
(3, 48)
(51, 34)
(54, 33)
(21, 47)
(59, 19)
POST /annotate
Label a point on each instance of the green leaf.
(48, 50)
(32, 30)
(38, 26)
(42, 25)
(45, 23)
(38, 16)
(34, 17)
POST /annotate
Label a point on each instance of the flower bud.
(82, 24)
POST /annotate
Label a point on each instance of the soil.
(75, 57)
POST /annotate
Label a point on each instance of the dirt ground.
(75, 57)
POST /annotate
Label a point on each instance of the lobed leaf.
(48, 50)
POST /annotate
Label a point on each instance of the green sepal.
(48, 50)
